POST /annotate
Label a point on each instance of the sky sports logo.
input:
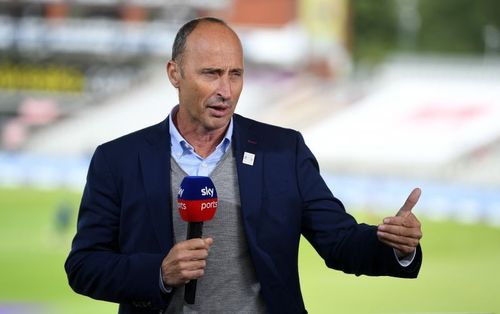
(206, 191)
(197, 199)
(197, 210)
(198, 203)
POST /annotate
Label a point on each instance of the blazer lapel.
(155, 165)
(250, 179)
(249, 164)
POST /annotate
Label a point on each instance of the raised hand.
(403, 231)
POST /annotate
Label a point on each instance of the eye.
(236, 74)
(210, 73)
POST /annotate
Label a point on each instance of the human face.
(209, 77)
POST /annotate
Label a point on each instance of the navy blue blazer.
(125, 220)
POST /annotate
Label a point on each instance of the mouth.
(219, 110)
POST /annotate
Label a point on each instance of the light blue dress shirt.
(185, 156)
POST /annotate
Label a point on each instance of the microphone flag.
(197, 199)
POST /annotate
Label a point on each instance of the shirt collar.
(179, 145)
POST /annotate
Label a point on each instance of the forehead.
(210, 42)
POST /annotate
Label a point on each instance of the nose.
(224, 89)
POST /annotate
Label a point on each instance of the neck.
(203, 141)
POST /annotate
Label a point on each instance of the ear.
(173, 72)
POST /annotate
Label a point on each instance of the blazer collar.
(246, 141)
(249, 165)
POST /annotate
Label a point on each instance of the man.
(129, 246)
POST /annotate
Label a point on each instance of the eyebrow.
(239, 70)
(208, 70)
(219, 70)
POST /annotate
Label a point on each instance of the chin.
(216, 125)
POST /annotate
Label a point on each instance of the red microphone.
(197, 202)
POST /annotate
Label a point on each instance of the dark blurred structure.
(58, 57)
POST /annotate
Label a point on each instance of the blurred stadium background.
(389, 95)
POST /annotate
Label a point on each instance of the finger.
(409, 221)
(173, 276)
(198, 255)
(179, 253)
(400, 240)
(402, 250)
(208, 241)
(400, 230)
(187, 275)
(410, 202)
(192, 265)
(178, 273)
(191, 255)
(195, 244)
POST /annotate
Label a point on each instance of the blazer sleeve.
(96, 267)
(337, 237)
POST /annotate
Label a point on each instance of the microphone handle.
(195, 230)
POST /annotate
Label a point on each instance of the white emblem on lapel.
(248, 158)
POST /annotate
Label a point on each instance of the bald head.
(179, 45)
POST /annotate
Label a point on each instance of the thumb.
(410, 202)
(209, 241)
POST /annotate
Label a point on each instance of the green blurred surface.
(459, 275)
(33, 251)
